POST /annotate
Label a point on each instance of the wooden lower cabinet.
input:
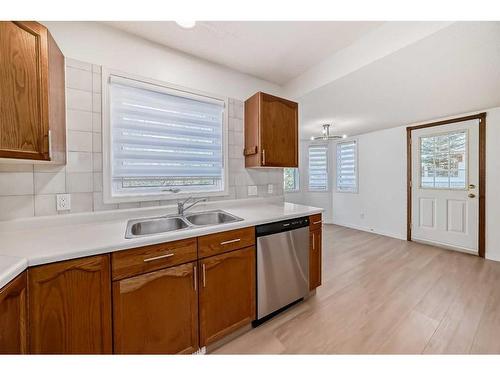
(70, 307)
(226, 293)
(13, 319)
(157, 312)
(315, 254)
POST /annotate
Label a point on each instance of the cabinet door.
(227, 293)
(23, 91)
(70, 306)
(279, 132)
(13, 322)
(157, 312)
(315, 259)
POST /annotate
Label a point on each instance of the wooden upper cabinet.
(70, 307)
(32, 94)
(227, 293)
(271, 132)
(157, 312)
(13, 317)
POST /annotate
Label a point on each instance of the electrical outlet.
(252, 190)
(63, 202)
(270, 188)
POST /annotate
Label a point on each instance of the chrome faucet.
(181, 206)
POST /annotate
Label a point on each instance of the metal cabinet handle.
(314, 242)
(263, 157)
(159, 257)
(317, 222)
(203, 274)
(195, 278)
(230, 241)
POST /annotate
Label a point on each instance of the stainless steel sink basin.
(145, 227)
(211, 218)
(157, 225)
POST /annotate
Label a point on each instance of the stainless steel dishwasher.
(282, 265)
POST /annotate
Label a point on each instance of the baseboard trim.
(370, 230)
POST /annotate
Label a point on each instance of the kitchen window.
(347, 167)
(318, 168)
(162, 141)
(291, 180)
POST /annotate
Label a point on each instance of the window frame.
(326, 146)
(466, 152)
(296, 180)
(168, 88)
(356, 166)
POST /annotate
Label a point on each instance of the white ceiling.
(453, 71)
(274, 51)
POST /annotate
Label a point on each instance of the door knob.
(472, 195)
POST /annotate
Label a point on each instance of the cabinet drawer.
(136, 261)
(218, 243)
(315, 222)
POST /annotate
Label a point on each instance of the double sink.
(163, 224)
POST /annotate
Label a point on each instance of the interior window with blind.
(164, 140)
(347, 177)
(318, 168)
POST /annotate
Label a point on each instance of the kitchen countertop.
(10, 267)
(36, 241)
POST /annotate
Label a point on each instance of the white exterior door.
(445, 191)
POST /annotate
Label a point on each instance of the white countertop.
(45, 240)
(10, 267)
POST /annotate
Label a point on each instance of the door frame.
(482, 174)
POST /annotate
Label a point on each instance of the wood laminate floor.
(383, 295)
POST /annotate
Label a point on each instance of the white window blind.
(318, 168)
(163, 138)
(347, 180)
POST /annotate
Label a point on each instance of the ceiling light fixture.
(325, 135)
(186, 24)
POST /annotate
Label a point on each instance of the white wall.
(103, 45)
(380, 204)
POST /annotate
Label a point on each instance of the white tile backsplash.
(79, 182)
(96, 103)
(96, 122)
(45, 204)
(27, 190)
(79, 120)
(79, 162)
(79, 141)
(16, 206)
(96, 142)
(79, 99)
(50, 183)
(14, 183)
(78, 79)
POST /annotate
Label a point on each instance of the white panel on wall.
(427, 212)
(456, 213)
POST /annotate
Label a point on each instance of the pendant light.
(326, 135)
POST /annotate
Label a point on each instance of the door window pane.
(443, 161)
